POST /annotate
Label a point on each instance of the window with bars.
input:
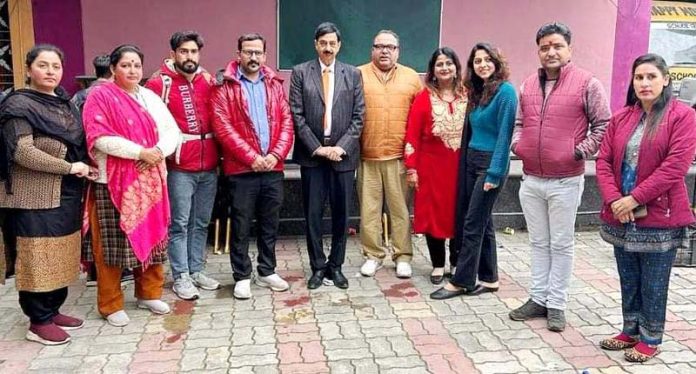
(6, 76)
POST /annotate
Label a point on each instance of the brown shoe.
(618, 342)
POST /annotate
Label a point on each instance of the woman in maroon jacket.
(645, 155)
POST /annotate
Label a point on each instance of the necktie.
(325, 83)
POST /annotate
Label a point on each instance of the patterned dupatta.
(141, 198)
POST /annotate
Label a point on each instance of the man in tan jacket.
(389, 90)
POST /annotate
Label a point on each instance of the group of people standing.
(457, 136)
(150, 155)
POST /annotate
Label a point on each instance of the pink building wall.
(632, 39)
(59, 23)
(510, 24)
(108, 23)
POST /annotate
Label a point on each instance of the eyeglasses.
(249, 53)
(388, 47)
(324, 43)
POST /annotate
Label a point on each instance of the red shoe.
(641, 352)
(67, 323)
(47, 334)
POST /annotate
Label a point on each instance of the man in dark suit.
(327, 104)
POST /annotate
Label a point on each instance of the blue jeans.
(191, 199)
(644, 285)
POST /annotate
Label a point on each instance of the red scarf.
(141, 198)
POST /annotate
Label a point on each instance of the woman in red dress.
(433, 139)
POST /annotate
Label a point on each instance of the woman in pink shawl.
(129, 133)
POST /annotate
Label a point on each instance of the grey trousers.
(550, 206)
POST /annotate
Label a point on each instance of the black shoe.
(316, 279)
(479, 289)
(556, 321)
(436, 279)
(339, 280)
(443, 293)
(530, 310)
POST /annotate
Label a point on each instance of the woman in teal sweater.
(482, 171)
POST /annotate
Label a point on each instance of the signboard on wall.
(673, 36)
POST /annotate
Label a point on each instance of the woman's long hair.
(431, 81)
(481, 92)
(660, 105)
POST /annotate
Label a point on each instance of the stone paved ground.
(380, 324)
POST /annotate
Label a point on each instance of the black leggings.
(41, 307)
(436, 247)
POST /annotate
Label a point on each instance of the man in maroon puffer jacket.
(562, 118)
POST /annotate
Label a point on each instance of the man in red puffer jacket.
(253, 124)
(192, 179)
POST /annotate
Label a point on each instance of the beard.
(188, 66)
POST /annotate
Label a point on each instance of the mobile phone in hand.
(640, 211)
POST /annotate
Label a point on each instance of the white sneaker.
(242, 289)
(118, 319)
(274, 282)
(156, 306)
(205, 282)
(403, 269)
(370, 267)
(184, 288)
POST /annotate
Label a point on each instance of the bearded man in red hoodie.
(192, 180)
